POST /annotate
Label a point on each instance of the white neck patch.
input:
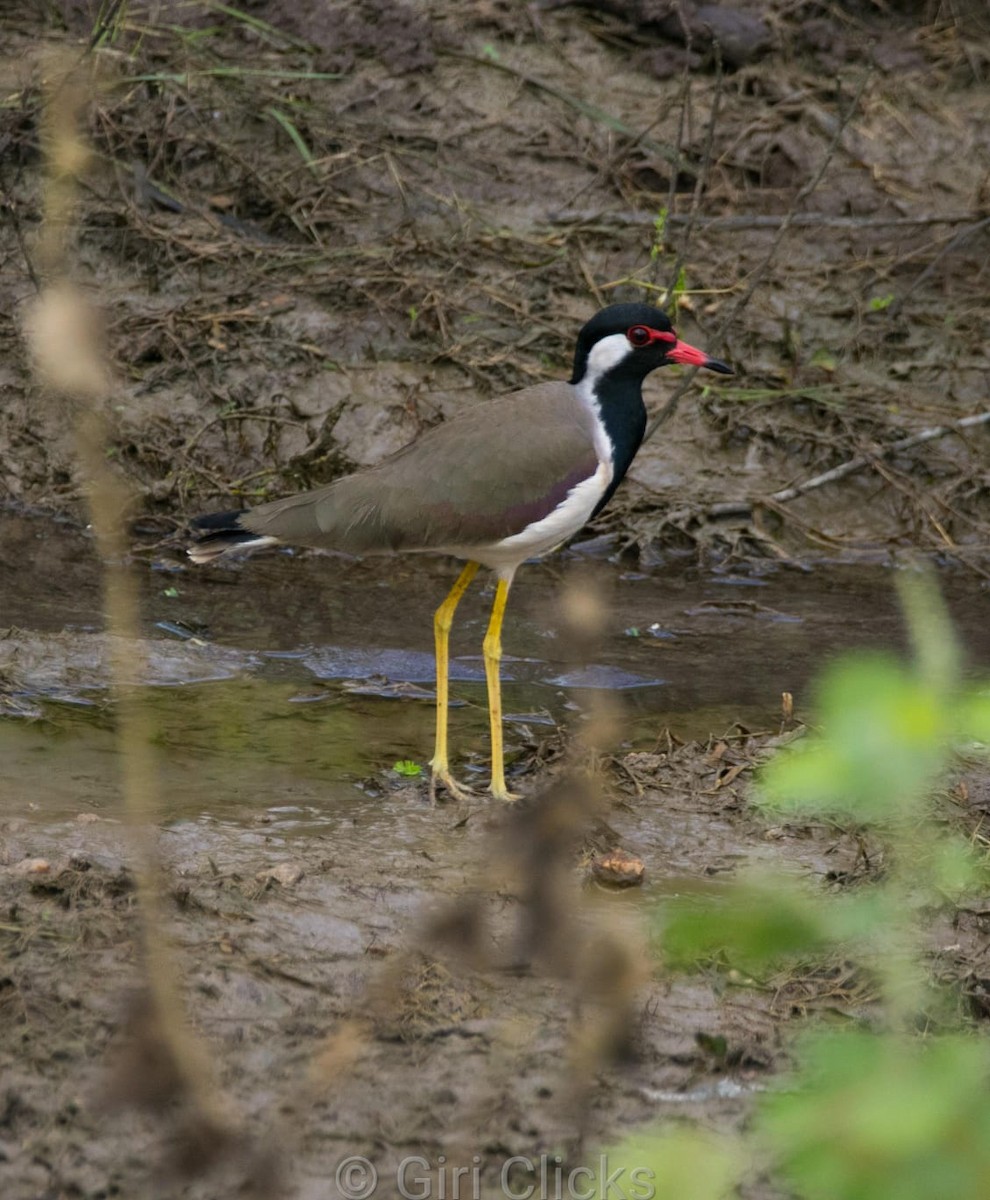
(605, 355)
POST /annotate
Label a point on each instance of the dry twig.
(758, 275)
(741, 508)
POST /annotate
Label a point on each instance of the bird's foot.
(501, 792)
(441, 776)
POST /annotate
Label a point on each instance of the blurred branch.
(69, 362)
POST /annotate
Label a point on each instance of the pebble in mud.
(618, 869)
(285, 873)
(31, 866)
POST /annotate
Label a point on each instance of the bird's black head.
(631, 340)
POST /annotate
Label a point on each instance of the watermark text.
(545, 1177)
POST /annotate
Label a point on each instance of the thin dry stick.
(743, 507)
(756, 280)
(71, 366)
(678, 147)
(568, 216)
(582, 106)
(9, 205)
(620, 156)
(702, 178)
(962, 236)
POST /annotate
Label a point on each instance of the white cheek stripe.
(605, 355)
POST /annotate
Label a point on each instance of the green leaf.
(953, 866)
(715, 1044)
(973, 716)
(408, 768)
(751, 922)
(884, 743)
(756, 921)
(294, 135)
(936, 650)
(684, 1164)
(871, 1117)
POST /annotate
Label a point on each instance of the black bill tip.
(716, 364)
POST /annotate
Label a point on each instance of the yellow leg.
(493, 659)
(442, 621)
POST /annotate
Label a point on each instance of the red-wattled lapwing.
(505, 481)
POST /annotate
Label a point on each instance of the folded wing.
(481, 477)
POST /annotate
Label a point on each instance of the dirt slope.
(314, 231)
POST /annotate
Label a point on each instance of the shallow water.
(284, 688)
(282, 692)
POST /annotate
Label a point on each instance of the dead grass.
(281, 198)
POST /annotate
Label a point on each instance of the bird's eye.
(639, 335)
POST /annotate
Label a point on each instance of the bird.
(506, 480)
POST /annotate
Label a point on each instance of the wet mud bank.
(377, 978)
(313, 232)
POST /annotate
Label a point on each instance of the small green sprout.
(879, 303)
(659, 229)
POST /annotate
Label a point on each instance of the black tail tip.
(220, 522)
(218, 533)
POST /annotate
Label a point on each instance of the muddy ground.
(314, 230)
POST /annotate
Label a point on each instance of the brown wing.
(482, 476)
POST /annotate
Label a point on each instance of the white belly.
(545, 535)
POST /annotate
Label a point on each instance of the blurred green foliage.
(757, 920)
(683, 1164)
(887, 1114)
(886, 735)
